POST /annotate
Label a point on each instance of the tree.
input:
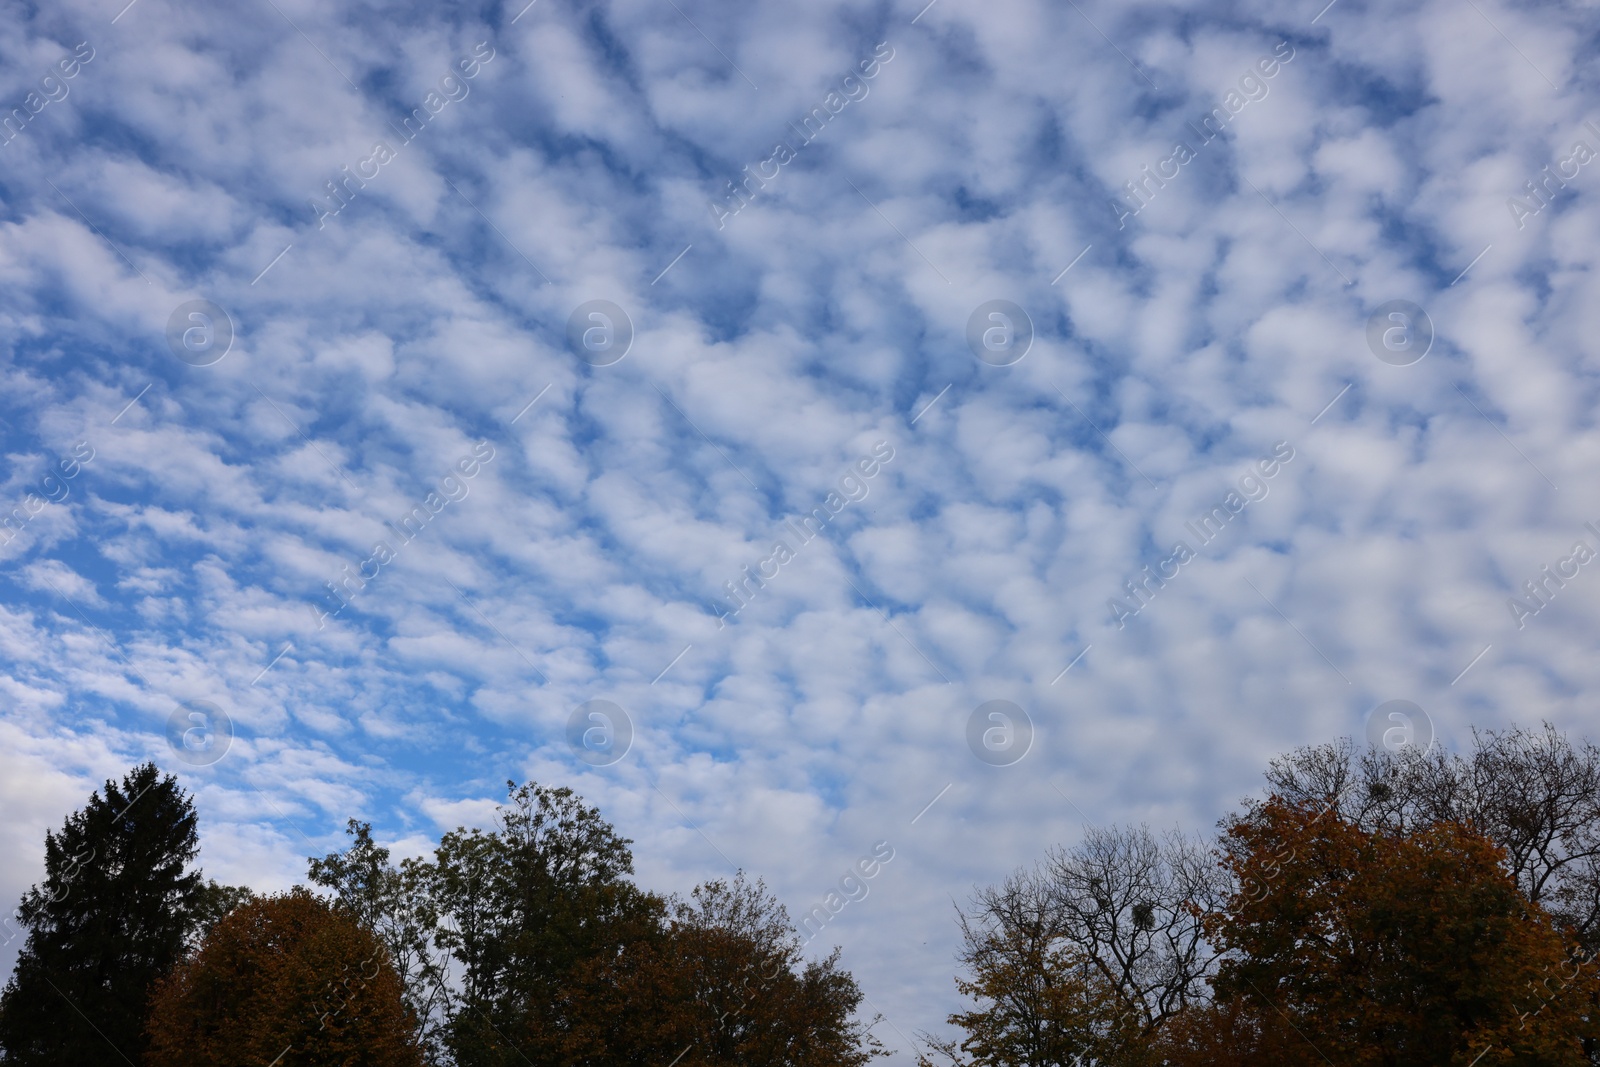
(1351, 945)
(543, 953)
(216, 903)
(520, 908)
(1042, 1002)
(115, 911)
(722, 983)
(1532, 792)
(288, 980)
(393, 903)
(1373, 908)
(1084, 957)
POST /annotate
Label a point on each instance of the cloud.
(1172, 348)
(54, 576)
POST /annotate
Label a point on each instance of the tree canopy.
(1368, 909)
(1441, 911)
(529, 944)
(287, 980)
(1361, 945)
(721, 983)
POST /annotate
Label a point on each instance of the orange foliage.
(1352, 946)
(285, 980)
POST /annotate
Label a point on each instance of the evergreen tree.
(117, 908)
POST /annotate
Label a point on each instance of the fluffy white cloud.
(591, 158)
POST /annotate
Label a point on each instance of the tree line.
(527, 945)
(1372, 908)
(1368, 909)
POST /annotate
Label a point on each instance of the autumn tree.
(1373, 908)
(119, 903)
(1347, 944)
(1084, 957)
(722, 983)
(1534, 793)
(1041, 1000)
(288, 980)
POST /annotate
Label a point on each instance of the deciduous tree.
(393, 903)
(1374, 908)
(1346, 944)
(1534, 793)
(1084, 957)
(556, 959)
(721, 984)
(289, 980)
(519, 908)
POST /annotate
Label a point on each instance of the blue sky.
(579, 152)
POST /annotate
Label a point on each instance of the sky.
(807, 431)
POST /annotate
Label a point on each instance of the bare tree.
(1134, 905)
(1080, 959)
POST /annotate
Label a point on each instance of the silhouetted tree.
(394, 904)
(118, 905)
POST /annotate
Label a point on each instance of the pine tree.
(115, 911)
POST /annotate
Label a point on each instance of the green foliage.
(534, 948)
(527, 944)
(520, 908)
(214, 904)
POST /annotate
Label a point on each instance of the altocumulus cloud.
(1168, 356)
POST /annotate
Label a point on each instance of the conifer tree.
(117, 908)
